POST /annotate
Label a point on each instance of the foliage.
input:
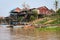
(56, 4)
(20, 18)
(57, 21)
(32, 18)
(49, 29)
(35, 14)
(42, 21)
(58, 11)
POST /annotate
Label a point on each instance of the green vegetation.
(57, 21)
(35, 14)
(48, 29)
(42, 21)
(20, 18)
(51, 22)
(32, 18)
(57, 17)
(58, 11)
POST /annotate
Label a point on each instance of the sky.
(7, 5)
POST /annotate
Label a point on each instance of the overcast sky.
(7, 5)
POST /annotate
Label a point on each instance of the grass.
(57, 21)
(55, 18)
(42, 21)
(53, 21)
(48, 29)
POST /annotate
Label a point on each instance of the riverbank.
(35, 31)
(48, 29)
(22, 30)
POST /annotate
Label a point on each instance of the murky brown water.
(8, 34)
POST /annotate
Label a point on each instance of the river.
(14, 34)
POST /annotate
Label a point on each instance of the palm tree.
(56, 4)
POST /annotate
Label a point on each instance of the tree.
(32, 18)
(35, 14)
(20, 18)
(56, 4)
(58, 11)
(25, 6)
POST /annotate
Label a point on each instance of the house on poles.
(23, 15)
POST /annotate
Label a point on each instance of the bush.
(20, 18)
(35, 14)
(58, 11)
(32, 18)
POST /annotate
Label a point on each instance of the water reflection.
(5, 34)
(21, 34)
